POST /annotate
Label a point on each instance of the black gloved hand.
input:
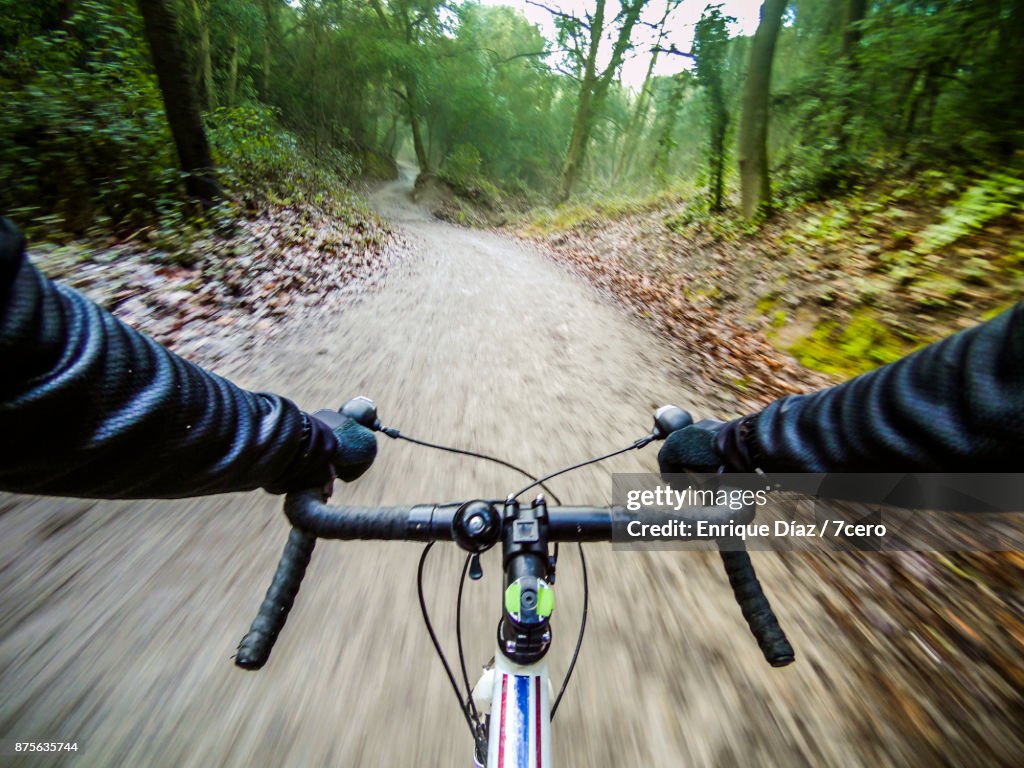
(357, 448)
(692, 449)
(708, 446)
(335, 446)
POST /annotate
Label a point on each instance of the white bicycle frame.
(518, 698)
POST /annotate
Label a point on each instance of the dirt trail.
(118, 620)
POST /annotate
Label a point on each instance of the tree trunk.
(422, 159)
(855, 10)
(633, 128)
(581, 124)
(180, 100)
(417, 142)
(755, 184)
(577, 151)
(643, 102)
(269, 25)
(719, 128)
(594, 87)
(232, 93)
(204, 69)
(911, 98)
(65, 8)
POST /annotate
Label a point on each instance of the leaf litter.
(220, 291)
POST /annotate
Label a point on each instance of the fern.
(990, 198)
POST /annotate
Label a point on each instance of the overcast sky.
(680, 25)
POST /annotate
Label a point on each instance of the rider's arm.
(956, 405)
(91, 407)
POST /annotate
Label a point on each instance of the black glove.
(335, 446)
(357, 448)
(708, 446)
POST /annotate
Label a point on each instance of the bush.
(984, 201)
(84, 138)
(82, 132)
(254, 154)
(462, 166)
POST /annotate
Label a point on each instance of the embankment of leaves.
(472, 200)
(723, 353)
(938, 650)
(841, 286)
(206, 293)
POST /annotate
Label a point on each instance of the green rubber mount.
(545, 601)
(512, 594)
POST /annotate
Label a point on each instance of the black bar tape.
(307, 512)
(756, 610)
(255, 648)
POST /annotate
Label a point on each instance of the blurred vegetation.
(894, 131)
(859, 91)
(82, 135)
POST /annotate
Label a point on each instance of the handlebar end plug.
(362, 410)
(668, 419)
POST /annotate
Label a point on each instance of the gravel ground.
(118, 620)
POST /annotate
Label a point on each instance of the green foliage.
(491, 92)
(84, 141)
(988, 199)
(82, 131)
(823, 161)
(462, 165)
(581, 213)
(254, 153)
(698, 214)
(921, 84)
(829, 226)
(565, 217)
(850, 348)
(306, 89)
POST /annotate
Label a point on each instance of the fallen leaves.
(238, 287)
(627, 259)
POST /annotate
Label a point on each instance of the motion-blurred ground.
(118, 620)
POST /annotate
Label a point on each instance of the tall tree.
(411, 25)
(710, 41)
(634, 128)
(853, 14)
(204, 63)
(270, 9)
(665, 125)
(231, 91)
(755, 184)
(583, 37)
(181, 102)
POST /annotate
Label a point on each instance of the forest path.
(119, 619)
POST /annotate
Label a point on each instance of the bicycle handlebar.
(255, 648)
(433, 522)
(756, 609)
(311, 518)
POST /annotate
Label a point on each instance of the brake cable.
(579, 637)
(458, 640)
(394, 434)
(470, 721)
(636, 445)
